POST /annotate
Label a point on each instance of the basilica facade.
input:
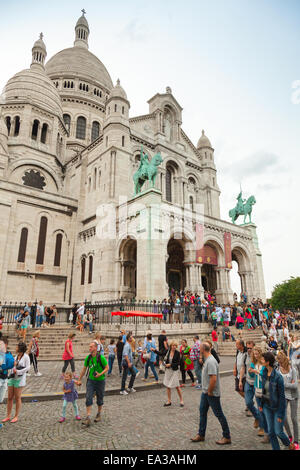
(71, 229)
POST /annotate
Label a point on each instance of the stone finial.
(168, 90)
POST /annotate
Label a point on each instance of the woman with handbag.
(290, 378)
(16, 382)
(150, 355)
(256, 368)
(171, 377)
(186, 364)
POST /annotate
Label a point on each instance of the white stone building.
(67, 148)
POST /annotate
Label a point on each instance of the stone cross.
(83, 11)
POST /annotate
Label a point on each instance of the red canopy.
(137, 313)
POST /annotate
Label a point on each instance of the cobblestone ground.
(50, 381)
(136, 421)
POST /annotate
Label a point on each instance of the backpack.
(99, 360)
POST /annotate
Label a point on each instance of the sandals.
(5, 420)
(167, 404)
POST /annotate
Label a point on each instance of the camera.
(11, 376)
(94, 374)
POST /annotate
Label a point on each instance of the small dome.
(203, 141)
(33, 86)
(82, 21)
(40, 43)
(118, 91)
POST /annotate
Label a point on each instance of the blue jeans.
(92, 387)
(39, 320)
(124, 377)
(249, 395)
(215, 404)
(198, 371)
(275, 429)
(151, 365)
(111, 358)
(90, 326)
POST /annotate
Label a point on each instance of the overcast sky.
(231, 64)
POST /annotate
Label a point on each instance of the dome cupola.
(203, 141)
(82, 32)
(39, 54)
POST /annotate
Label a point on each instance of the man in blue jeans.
(127, 364)
(211, 397)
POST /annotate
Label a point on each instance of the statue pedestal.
(145, 224)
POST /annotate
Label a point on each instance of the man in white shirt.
(80, 310)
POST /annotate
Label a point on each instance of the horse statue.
(243, 207)
(147, 171)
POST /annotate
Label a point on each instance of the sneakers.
(296, 446)
(137, 374)
(198, 387)
(38, 374)
(62, 420)
(77, 418)
(261, 433)
(131, 390)
(123, 392)
(144, 380)
(86, 422)
(97, 418)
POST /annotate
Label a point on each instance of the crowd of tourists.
(266, 375)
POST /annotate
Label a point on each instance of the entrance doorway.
(175, 274)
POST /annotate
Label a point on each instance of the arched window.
(35, 129)
(57, 254)
(95, 130)
(82, 271)
(67, 121)
(8, 124)
(42, 241)
(23, 245)
(90, 280)
(81, 128)
(44, 133)
(17, 126)
(169, 185)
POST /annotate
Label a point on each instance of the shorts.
(24, 327)
(237, 381)
(14, 383)
(95, 386)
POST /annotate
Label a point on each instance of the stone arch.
(17, 167)
(241, 255)
(127, 251)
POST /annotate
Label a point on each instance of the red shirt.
(214, 335)
(66, 356)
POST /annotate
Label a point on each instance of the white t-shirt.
(25, 363)
(219, 312)
(80, 310)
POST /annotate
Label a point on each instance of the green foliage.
(287, 294)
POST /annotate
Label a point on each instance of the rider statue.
(143, 164)
(240, 204)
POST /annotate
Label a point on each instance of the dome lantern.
(82, 32)
(203, 141)
(39, 53)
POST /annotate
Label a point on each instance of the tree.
(287, 294)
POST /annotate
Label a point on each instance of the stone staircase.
(52, 339)
(228, 347)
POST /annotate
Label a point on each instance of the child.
(139, 352)
(111, 355)
(70, 396)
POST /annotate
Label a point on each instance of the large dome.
(78, 62)
(34, 86)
